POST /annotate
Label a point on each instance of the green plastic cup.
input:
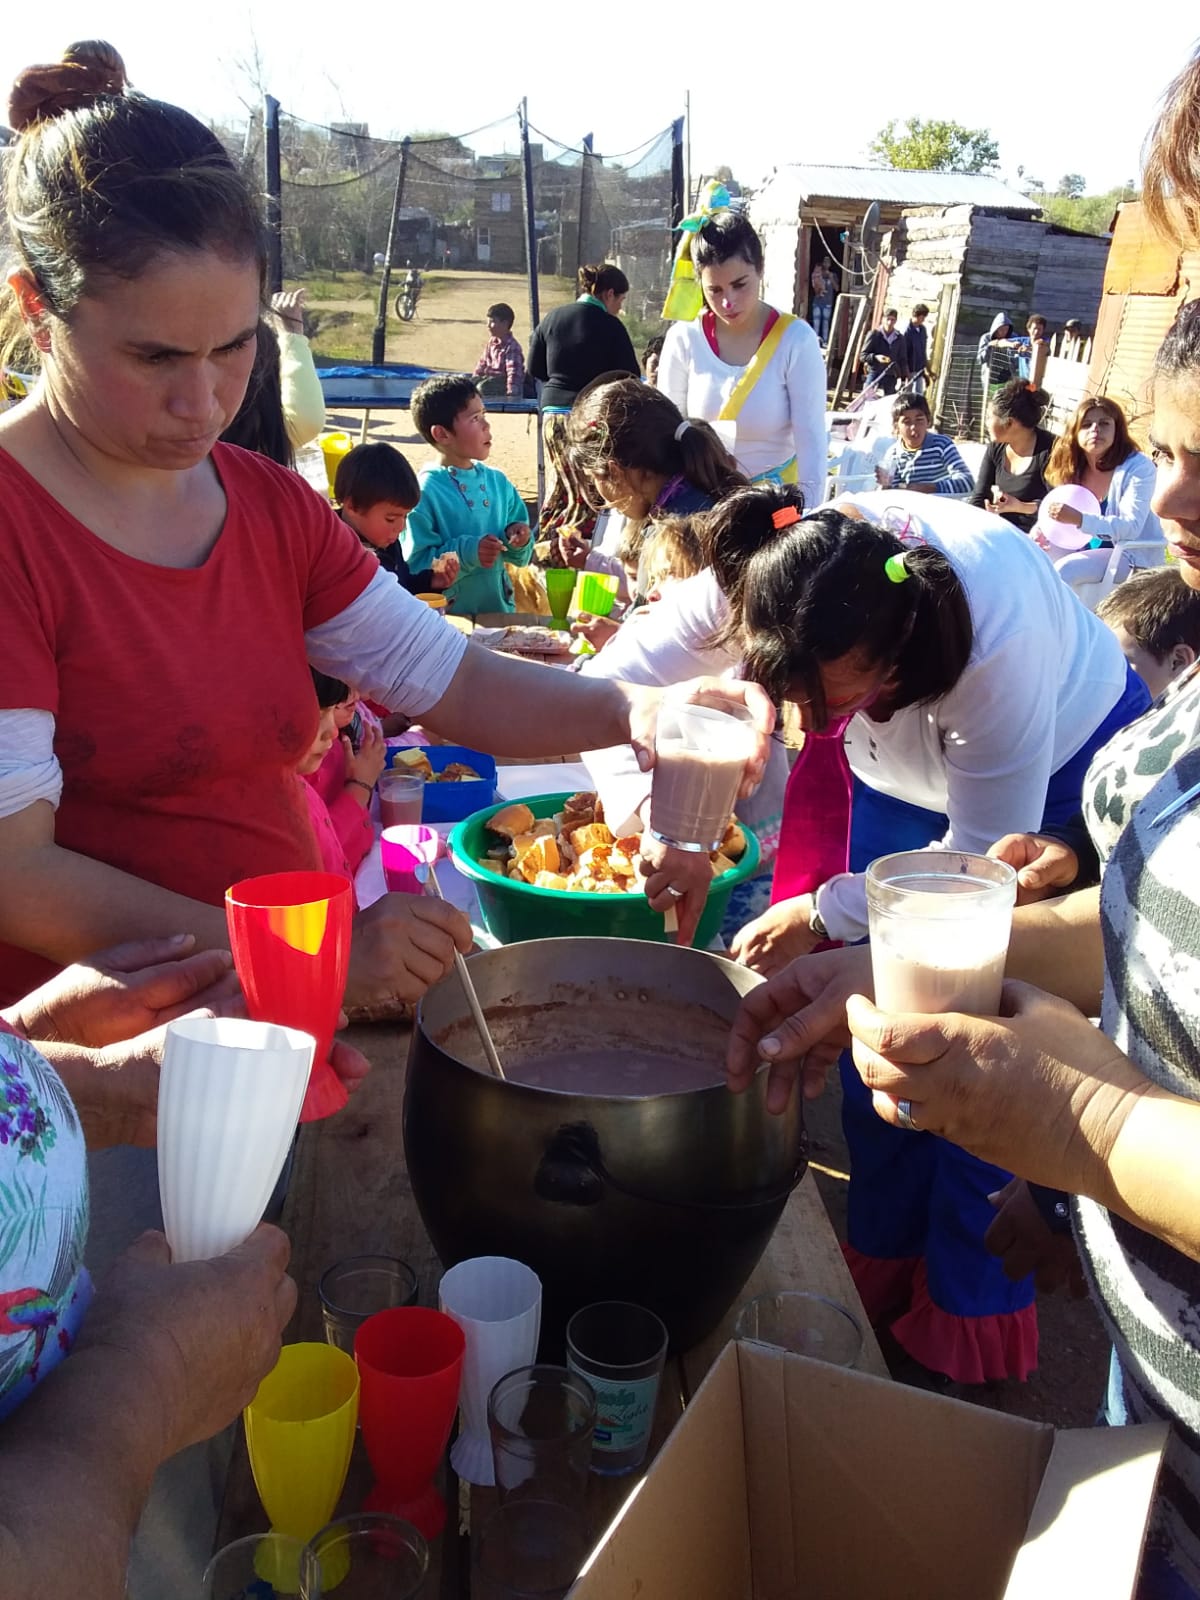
(597, 593)
(560, 586)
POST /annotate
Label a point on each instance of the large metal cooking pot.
(668, 1200)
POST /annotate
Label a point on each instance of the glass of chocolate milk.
(940, 922)
(401, 798)
(700, 753)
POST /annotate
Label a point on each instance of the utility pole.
(379, 338)
(274, 195)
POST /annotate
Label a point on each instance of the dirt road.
(448, 331)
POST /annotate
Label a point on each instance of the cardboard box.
(788, 1479)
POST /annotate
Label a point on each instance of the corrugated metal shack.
(965, 244)
(967, 264)
(1147, 279)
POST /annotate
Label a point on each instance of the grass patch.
(342, 335)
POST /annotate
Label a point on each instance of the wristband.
(362, 784)
(817, 923)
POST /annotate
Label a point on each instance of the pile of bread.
(575, 849)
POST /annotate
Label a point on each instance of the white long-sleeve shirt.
(1043, 674)
(1129, 518)
(784, 414)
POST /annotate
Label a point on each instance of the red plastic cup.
(290, 935)
(410, 1367)
(402, 850)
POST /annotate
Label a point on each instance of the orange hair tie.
(784, 517)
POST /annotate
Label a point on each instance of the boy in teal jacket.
(466, 508)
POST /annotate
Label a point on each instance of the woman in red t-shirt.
(161, 594)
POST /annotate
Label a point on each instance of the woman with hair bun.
(1012, 475)
(575, 343)
(755, 373)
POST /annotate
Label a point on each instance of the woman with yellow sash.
(756, 374)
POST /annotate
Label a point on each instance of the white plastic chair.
(1117, 570)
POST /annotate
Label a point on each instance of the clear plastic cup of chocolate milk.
(940, 922)
(700, 753)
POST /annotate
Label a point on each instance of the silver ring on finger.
(676, 894)
(905, 1117)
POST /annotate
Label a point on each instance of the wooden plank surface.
(350, 1195)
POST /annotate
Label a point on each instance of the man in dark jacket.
(883, 356)
(916, 350)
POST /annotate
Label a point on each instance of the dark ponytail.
(598, 278)
(624, 420)
(1019, 401)
(818, 588)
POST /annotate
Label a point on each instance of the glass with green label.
(620, 1349)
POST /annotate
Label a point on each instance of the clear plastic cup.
(806, 1324)
(250, 1566)
(354, 1289)
(528, 1550)
(401, 798)
(368, 1556)
(542, 1420)
(940, 923)
(700, 755)
(620, 1348)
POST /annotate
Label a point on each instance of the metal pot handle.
(572, 1171)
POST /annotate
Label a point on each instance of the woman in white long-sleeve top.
(755, 373)
(1098, 453)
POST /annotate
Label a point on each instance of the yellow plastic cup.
(435, 602)
(333, 447)
(299, 1435)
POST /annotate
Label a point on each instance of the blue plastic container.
(451, 802)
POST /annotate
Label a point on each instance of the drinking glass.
(401, 798)
(365, 1557)
(620, 1349)
(410, 1359)
(560, 586)
(299, 1435)
(290, 935)
(249, 1567)
(939, 923)
(498, 1305)
(806, 1324)
(356, 1288)
(402, 849)
(528, 1550)
(229, 1095)
(542, 1420)
(700, 756)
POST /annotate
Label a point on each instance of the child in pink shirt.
(338, 780)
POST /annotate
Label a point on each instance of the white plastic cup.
(229, 1099)
(940, 922)
(497, 1303)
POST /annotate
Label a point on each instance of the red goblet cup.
(290, 935)
(410, 1367)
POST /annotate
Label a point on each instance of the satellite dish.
(870, 232)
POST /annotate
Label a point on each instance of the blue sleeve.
(515, 510)
(430, 532)
(956, 477)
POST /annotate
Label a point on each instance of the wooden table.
(350, 1194)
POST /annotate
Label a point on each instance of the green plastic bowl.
(515, 911)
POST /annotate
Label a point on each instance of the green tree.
(1087, 213)
(934, 146)
(1071, 185)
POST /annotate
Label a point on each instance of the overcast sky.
(1061, 89)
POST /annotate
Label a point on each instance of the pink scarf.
(814, 843)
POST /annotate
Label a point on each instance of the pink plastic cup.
(403, 849)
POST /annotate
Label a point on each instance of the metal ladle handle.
(426, 877)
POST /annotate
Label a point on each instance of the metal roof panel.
(788, 187)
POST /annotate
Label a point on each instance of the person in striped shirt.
(926, 462)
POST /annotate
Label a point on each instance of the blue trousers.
(914, 1194)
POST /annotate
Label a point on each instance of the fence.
(503, 198)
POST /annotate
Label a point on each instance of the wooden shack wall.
(1146, 281)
